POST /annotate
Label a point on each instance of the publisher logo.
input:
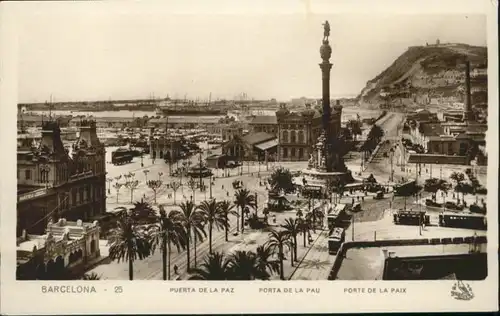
(462, 291)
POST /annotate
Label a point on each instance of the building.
(53, 184)
(254, 146)
(66, 247)
(231, 130)
(163, 147)
(264, 123)
(297, 132)
(184, 122)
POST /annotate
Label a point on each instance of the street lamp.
(109, 180)
(117, 187)
(146, 174)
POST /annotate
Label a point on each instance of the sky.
(102, 55)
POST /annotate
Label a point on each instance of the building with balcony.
(51, 183)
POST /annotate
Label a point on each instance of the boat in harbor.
(173, 107)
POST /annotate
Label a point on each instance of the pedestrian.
(227, 193)
(363, 198)
(222, 187)
(176, 269)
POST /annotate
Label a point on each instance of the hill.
(431, 75)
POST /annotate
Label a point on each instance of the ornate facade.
(52, 183)
(65, 247)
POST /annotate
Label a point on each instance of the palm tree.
(243, 266)
(315, 216)
(215, 267)
(143, 213)
(91, 276)
(192, 219)
(292, 228)
(278, 240)
(167, 231)
(227, 208)
(128, 243)
(265, 265)
(214, 216)
(243, 198)
(304, 226)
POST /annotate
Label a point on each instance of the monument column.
(326, 66)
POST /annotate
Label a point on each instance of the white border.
(154, 296)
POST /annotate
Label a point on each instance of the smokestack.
(468, 114)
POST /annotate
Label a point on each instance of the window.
(285, 152)
(285, 136)
(293, 152)
(301, 152)
(293, 137)
(73, 197)
(27, 174)
(301, 137)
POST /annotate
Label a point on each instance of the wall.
(397, 242)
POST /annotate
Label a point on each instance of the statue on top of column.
(326, 32)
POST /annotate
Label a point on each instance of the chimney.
(468, 114)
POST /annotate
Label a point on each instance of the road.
(151, 267)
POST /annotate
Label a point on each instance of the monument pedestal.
(319, 178)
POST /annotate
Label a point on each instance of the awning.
(267, 144)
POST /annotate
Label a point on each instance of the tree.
(128, 243)
(142, 213)
(214, 216)
(243, 266)
(292, 228)
(355, 127)
(192, 219)
(373, 138)
(459, 178)
(154, 185)
(242, 199)
(266, 266)
(175, 186)
(215, 267)
(166, 232)
(304, 227)
(91, 276)
(227, 209)
(278, 240)
(146, 174)
(281, 180)
(132, 185)
(315, 216)
(192, 185)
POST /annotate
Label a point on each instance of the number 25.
(118, 289)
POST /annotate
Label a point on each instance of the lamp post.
(109, 180)
(117, 187)
(146, 174)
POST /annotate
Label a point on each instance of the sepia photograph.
(179, 147)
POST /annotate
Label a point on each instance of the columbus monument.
(326, 162)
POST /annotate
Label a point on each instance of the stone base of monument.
(319, 178)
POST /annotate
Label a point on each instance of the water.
(347, 113)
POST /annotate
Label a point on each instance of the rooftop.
(431, 129)
(368, 263)
(257, 138)
(264, 119)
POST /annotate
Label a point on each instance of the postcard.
(259, 157)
